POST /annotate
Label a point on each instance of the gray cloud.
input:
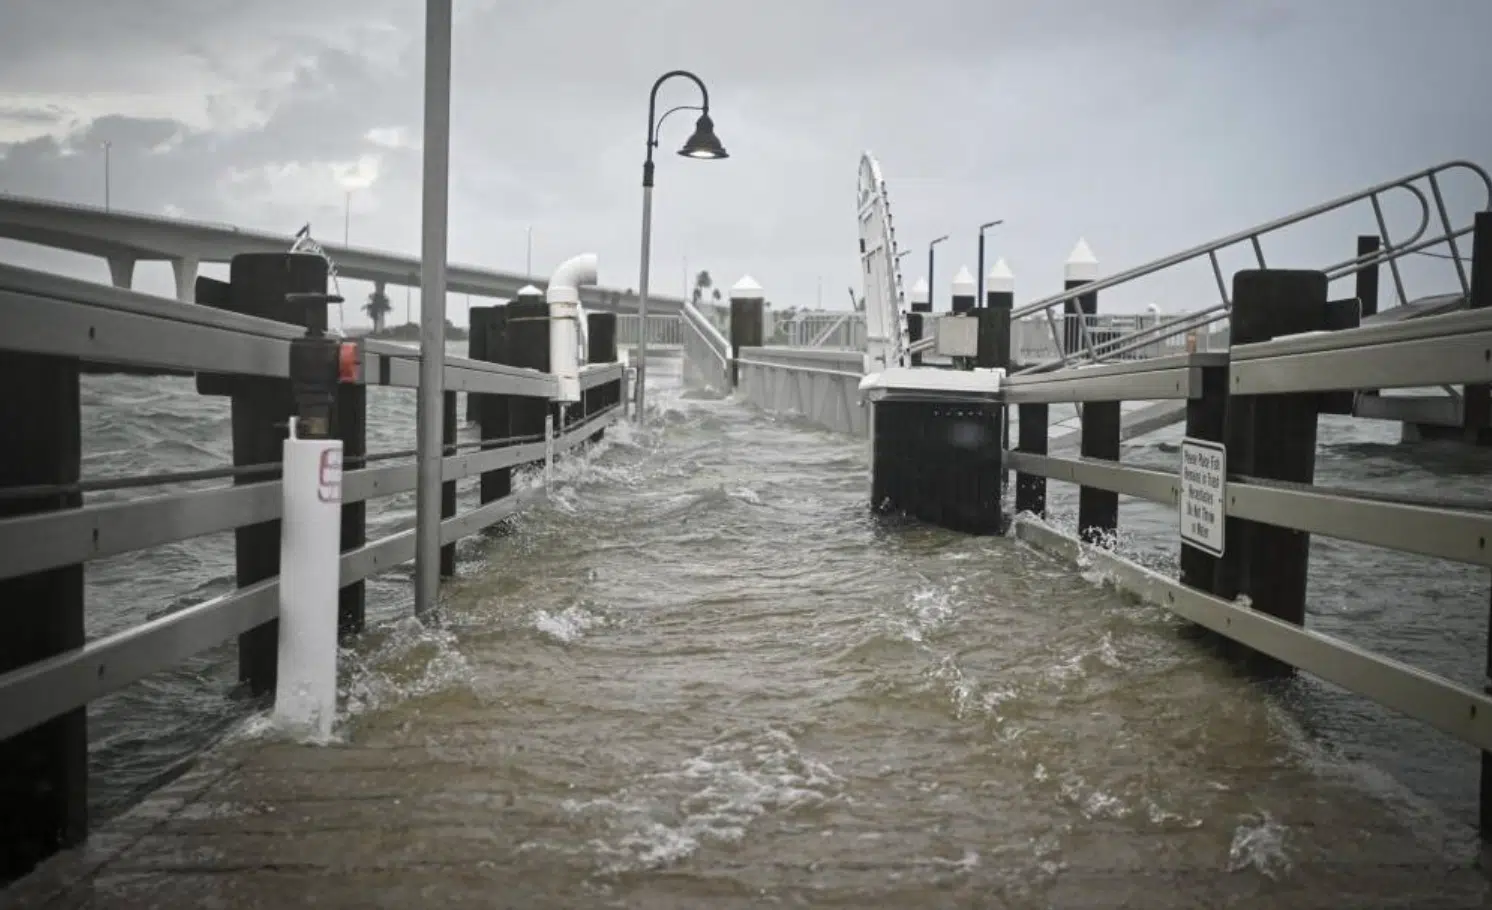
(1143, 126)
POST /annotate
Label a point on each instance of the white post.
(310, 537)
(548, 450)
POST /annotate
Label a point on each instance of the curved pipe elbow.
(569, 277)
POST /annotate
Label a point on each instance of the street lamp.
(932, 288)
(702, 144)
(979, 301)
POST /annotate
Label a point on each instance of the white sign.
(329, 476)
(1204, 471)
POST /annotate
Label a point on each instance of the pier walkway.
(702, 675)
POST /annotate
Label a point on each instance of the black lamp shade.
(704, 143)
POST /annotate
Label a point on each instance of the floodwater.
(718, 677)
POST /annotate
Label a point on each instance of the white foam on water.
(410, 660)
(714, 797)
(1259, 842)
(746, 495)
(568, 625)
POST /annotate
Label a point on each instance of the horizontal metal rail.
(1175, 377)
(1458, 710)
(46, 540)
(798, 368)
(40, 691)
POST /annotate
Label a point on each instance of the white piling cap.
(919, 291)
(963, 283)
(999, 280)
(529, 290)
(1081, 264)
(746, 289)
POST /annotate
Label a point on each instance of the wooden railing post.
(448, 487)
(43, 771)
(1098, 510)
(351, 421)
(1033, 434)
(1271, 437)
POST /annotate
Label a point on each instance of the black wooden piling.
(601, 348)
(1032, 437)
(746, 325)
(351, 421)
(528, 346)
(1204, 420)
(1098, 510)
(916, 319)
(964, 291)
(44, 770)
(261, 407)
(1476, 414)
(492, 410)
(448, 487)
(1271, 437)
(1366, 280)
(476, 349)
(1341, 314)
(939, 462)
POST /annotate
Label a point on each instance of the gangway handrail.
(1390, 253)
(823, 336)
(707, 332)
(1215, 313)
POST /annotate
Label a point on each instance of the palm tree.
(377, 307)
(702, 283)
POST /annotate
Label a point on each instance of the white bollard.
(310, 541)
(548, 450)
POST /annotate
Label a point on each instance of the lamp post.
(702, 144)
(930, 284)
(979, 300)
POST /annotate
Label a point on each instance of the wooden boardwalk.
(429, 809)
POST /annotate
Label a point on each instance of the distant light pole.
(107, 146)
(347, 218)
(702, 144)
(979, 301)
(528, 264)
(932, 288)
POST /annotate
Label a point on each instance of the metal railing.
(1390, 253)
(839, 330)
(821, 386)
(79, 322)
(662, 330)
(707, 354)
(1419, 353)
(1115, 337)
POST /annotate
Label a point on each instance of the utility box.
(958, 336)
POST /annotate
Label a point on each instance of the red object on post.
(347, 363)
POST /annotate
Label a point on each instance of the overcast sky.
(1145, 127)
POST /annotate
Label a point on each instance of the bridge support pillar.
(43, 771)
(122, 271)
(185, 270)
(1271, 437)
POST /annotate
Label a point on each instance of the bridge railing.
(1244, 493)
(55, 520)
(663, 330)
(821, 386)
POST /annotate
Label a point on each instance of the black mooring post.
(476, 349)
(1476, 413)
(492, 414)
(601, 348)
(746, 327)
(1272, 437)
(1204, 420)
(448, 487)
(44, 770)
(1366, 280)
(528, 346)
(1098, 510)
(258, 285)
(352, 428)
(1032, 437)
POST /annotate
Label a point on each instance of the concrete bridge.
(125, 238)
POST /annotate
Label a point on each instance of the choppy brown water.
(719, 676)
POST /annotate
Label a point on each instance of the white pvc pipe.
(310, 538)
(563, 297)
